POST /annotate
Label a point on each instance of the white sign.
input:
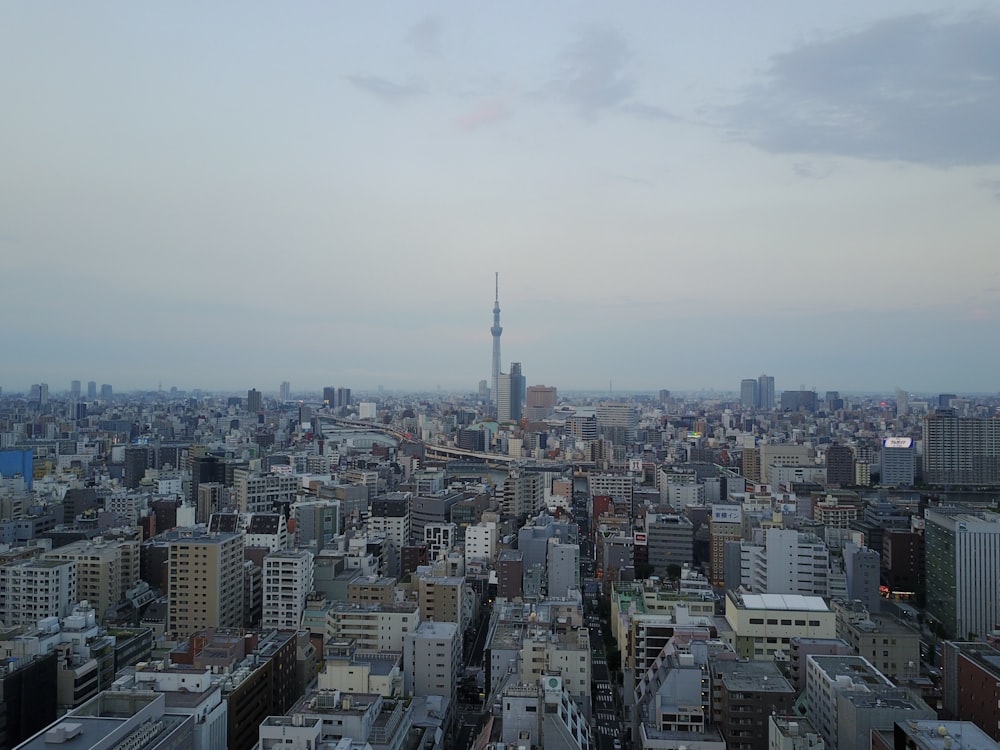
(898, 442)
(727, 514)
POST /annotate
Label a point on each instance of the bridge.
(448, 453)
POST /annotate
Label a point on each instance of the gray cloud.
(424, 37)
(384, 89)
(993, 186)
(920, 89)
(594, 77)
(810, 171)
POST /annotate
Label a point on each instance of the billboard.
(898, 442)
(640, 538)
(727, 514)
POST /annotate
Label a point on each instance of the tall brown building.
(205, 580)
(540, 401)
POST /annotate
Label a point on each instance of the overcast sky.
(676, 195)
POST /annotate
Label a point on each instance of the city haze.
(673, 196)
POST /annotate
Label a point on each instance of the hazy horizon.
(675, 196)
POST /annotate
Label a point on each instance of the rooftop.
(798, 602)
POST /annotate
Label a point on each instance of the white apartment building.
(432, 658)
(287, 581)
(373, 627)
(789, 562)
(481, 543)
(36, 589)
(257, 493)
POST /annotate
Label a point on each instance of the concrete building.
(523, 494)
(962, 557)
(106, 568)
(970, 684)
(442, 598)
(563, 567)
(543, 714)
(510, 573)
(847, 697)
(669, 541)
(725, 525)
(961, 451)
(287, 582)
(540, 401)
(372, 627)
(748, 695)
(898, 462)
(617, 422)
(789, 562)
(792, 733)
(205, 586)
(390, 515)
(765, 623)
(481, 542)
(432, 658)
(33, 590)
(189, 691)
(118, 719)
(257, 493)
(933, 735)
(440, 538)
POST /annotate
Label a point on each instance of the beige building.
(780, 454)
(32, 590)
(106, 568)
(765, 623)
(441, 598)
(205, 585)
(372, 627)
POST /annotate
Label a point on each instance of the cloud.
(384, 89)
(487, 113)
(920, 89)
(594, 78)
(811, 171)
(424, 37)
(993, 186)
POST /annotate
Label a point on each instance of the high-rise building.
(962, 553)
(343, 397)
(107, 392)
(36, 589)
(432, 658)
(285, 391)
(91, 390)
(504, 397)
(539, 402)
(138, 458)
(899, 459)
(205, 586)
(839, 465)
(74, 389)
(105, 570)
(765, 392)
(253, 401)
(798, 400)
(330, 396)
(287, 582)
(390, 516)
(961, 450)
(617, 422)
(517, 392)
(902, 402)
(495, 331)
(749, 393)
(43, 394)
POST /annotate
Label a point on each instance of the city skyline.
(809, 192)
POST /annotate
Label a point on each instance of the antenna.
(497, 274)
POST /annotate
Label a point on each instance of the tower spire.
(496, 330)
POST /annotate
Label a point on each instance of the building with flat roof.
(432, 658)
(792, 733)
(205, 586)
(33, 590)
(763, 624)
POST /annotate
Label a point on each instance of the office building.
(963, 451)
(962, 551)
(747, 695)
(27, 697)
(669, 542)
(107, 393)
(253, 401)
(510, 573)
(205, 580)
(285, 391)
(789, 562)
(749, 393)
(765, 623)
(523, 494)
(970, 681)
(562, 568)
(287, 582)
(33, 590)
(390, 516)
(617, 422)
(899, 462)
(92, 390)
(932, 734)
(106, 568)
(765, 392)
(840, 465)
(432, 658)
(792, 733)
(259, 493)
(539, 402)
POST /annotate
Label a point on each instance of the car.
(617, 744)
